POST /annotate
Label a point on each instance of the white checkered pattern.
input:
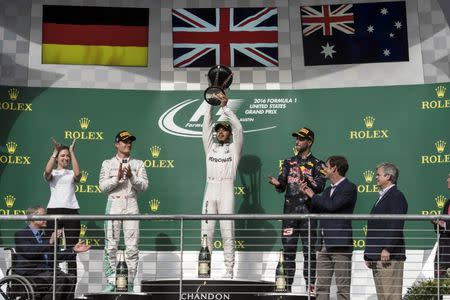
(20, 49)
(435, 35)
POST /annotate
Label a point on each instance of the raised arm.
(207, 130)
(238, 136)
(75, 165)
(51, 161)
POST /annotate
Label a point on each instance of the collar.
(307, 156)
(35, 231)
(384, 191)
(120, 159)
(337, 183)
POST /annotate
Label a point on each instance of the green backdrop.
(407, 125)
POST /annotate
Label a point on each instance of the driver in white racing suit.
(222, 159)
(122, 177)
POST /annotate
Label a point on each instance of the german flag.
(87, 35)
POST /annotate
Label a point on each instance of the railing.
(169, 250)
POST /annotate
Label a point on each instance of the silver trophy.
(220, 78)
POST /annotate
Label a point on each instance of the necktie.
(333, 187)
(39, 237)
(40, 240)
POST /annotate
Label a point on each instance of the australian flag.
(354, 33)
(236, 37)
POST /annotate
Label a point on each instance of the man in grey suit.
(334, 254)
(385, 244)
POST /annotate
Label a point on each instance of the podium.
(117, 296)
(211, 289)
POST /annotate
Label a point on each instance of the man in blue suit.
(385, 245)
(334, 254)
(34, 258)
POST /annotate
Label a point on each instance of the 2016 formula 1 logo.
(176, 120)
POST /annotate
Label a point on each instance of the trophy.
(220, 78)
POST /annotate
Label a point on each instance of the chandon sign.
(205, 296)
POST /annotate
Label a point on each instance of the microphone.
(124, 166)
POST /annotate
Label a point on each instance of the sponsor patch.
(288, 231)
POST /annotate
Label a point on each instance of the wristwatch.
(54, 155)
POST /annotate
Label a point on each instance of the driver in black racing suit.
(301, 166)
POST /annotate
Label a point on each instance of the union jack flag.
(236, 37)
(341, 18)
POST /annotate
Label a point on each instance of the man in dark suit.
(34, 258)
(385, 245)
(334, 254)
(442, 261)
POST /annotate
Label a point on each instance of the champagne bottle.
(280, 275)
(122, 273)
(204, 259)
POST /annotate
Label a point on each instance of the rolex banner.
(406, 125)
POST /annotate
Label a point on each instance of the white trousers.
(219, 199)
(112, 237)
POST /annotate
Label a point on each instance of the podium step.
(209, 289)
(121, 296)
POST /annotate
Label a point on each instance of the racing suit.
(122, 200)
(221, 164)
(296, 202)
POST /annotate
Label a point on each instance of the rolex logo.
(155, 151)
(364, 229)
(84, 123)
(440, 201)
(13, 94)
(440, 146)
(368, 176)
(83, 229)
(438, 158)
(440, 91)
(83, 134)
(154, 162)
(369, 133)
(9, 200)
(154, 204)
(369, 121)
(84, 176)
(11, 147)
(12, 158)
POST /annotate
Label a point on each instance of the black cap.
(124, 135)
(224, 125)
(304, 133)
